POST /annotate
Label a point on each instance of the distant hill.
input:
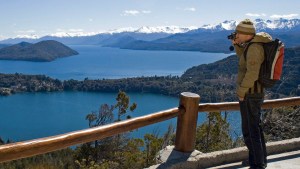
(43, 51)
(204, 41)
(224, 68)
(3, 45)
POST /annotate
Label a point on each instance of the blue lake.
(33, 115)
(96, 62)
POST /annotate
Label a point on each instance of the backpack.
(271, 68)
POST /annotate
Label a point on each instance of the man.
(249, 91)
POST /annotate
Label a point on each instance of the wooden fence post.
(187, 122)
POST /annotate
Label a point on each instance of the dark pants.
(252, 131)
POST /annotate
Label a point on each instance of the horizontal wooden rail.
(29, 148)
(210, 107)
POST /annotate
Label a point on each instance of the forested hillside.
(225, 71)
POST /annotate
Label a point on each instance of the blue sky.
(42, 17)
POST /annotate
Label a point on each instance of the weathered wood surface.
(187, 122)
(210, 107)
(29, 148)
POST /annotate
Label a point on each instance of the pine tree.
(213, 135)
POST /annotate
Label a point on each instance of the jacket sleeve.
(254, 59)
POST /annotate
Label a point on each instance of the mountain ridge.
(213, 38)
(157, 32)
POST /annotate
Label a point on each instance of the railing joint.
(181, 109)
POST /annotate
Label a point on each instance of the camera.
(232, 36)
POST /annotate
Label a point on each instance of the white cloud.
(256, 14)
(130, 13)
(288, 16)
(91, 19)
(190, 9)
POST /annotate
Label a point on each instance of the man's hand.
(234, 42)
(241, 99)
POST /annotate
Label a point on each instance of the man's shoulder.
(255, 51)
(262, 37)
(255, 46)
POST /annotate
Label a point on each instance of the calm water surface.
(34, 115)
(96, 62)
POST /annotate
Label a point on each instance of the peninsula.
(44, 51)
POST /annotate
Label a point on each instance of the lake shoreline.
(163, 85)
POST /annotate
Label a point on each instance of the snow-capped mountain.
(32, 36)
(260, 25)
(164, 29)
(213, 38)
(73, 34)
(144, 29)
(148, 33)
(284, 24)
(226, 25)
(121, 30)
(149, 29)
(142, 33)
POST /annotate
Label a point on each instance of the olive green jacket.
(248, 70)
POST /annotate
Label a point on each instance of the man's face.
(242, 38)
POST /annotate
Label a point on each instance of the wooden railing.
(187, 114)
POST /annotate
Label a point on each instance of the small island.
(44, 51)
